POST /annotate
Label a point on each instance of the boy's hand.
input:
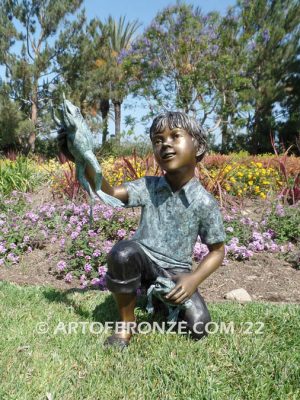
(186, 285)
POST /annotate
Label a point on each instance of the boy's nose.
(167, 142)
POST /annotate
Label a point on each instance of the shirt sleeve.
(211, 229)
(137, 192)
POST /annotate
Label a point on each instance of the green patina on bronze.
(81, 146)
(171, 222)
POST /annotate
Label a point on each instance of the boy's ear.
(200, 147)
(200, 150)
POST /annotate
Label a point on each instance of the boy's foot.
(116, 341)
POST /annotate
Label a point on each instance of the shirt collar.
(188, 189)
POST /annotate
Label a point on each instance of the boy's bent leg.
(127, 265)
(196, 317)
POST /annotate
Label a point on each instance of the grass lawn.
(56, 365)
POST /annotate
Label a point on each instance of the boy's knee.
(199, 328)
(123, 273)
(122, 253)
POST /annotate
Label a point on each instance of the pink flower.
(229, 229)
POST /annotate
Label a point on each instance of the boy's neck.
(177, 180)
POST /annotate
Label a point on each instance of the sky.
(145, 10)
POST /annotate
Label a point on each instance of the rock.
(240, 295)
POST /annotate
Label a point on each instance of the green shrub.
(285, 221)
(20, 175)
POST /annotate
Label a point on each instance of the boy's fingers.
(181, 299)
(175, 293)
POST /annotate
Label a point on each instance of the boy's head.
(175, 119)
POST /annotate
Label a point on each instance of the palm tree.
(120, 36)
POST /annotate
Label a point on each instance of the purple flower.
(68, 277)
(108, 214)
(62, 242)
(83, 281)
(280, 210)
(74, 235)
(1, 261)
(97, 253)
(13, 258)
(2, 249)
(91, 233)
(227, 218)
(88, 258)
(33, 217)
(61, 265)
(96, 281)
(88, 268)
(229, 229)
(102, 270)
(79, 253)
(121, 233)
(53, 239)
(73, 219)
(107, 246)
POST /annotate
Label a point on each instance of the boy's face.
(174, 150)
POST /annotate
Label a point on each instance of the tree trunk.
(104, 108)
(225, 134)
(34, 115)
(117, 106)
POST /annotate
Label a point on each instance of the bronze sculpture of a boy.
(175, 210)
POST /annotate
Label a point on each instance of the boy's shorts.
(129, 268)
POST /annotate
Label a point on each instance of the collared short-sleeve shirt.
(171, 222)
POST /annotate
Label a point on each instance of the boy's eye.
(157, 141)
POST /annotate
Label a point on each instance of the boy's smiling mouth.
(168, 155)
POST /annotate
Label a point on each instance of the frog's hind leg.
(91, 159)
(80, 175)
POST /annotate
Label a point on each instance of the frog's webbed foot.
(91, 159)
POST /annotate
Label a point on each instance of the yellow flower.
(232, 179)
(250, 183)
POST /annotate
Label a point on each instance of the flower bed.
(83, 249)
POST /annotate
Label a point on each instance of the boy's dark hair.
(176, 119)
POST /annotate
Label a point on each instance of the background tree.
(270, 33)
(39, 22)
